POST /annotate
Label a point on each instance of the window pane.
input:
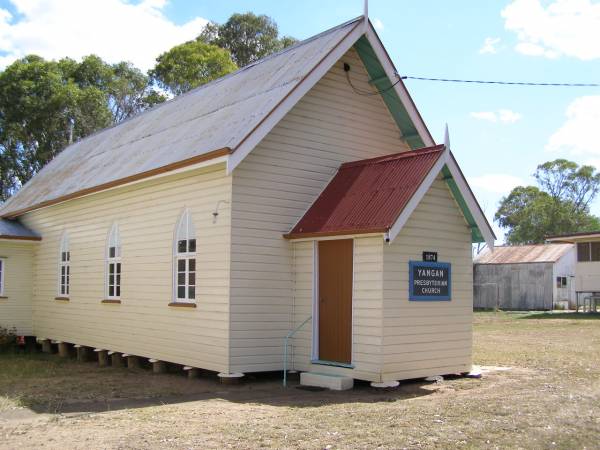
(119, 279)
(118, 291)
(68, 269)
(62, 270)
(68, 256)
(111, 291)
(595, 251)
(192, 245)
(192, 265)
(111, 268)
(111, 279)
(67, 288)
(63, 256)
(112, 252)
(181, 278)
(181, 265)
(192, 279)
(181, 246)
(583, 251)
(192, 293)
(181, 292)
(118, 268)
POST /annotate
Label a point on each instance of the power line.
(510, 83)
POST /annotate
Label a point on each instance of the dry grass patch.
(549, 399)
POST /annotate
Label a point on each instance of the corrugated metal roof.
(523, 254)
(367, 196)
(13, 229)
(218, 115)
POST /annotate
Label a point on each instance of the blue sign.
(429, 281)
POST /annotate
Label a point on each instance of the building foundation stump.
(158, 366)
(133, 362)
(46, 346)
(83, 353)
(102, 357)
(63, 349)
(116, 360)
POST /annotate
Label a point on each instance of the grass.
(550, 398)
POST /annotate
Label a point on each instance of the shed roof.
(518, 254)
(13, 229)
(209, 121)
(367, 196)
(575, 237)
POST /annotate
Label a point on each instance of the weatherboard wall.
(424, 338)
(16, 299)
(143, 324)
(274, 186)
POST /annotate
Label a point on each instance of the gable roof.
(223, 119)
(13, 229)
(379, 195)
(518, 254)
(367, 196)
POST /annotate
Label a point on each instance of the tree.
(559, 205)
(247, 36)
(45, 105)
(189, 65)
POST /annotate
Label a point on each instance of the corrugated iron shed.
(13, 229)
(519, 254)
(214, 117)
(367, 196)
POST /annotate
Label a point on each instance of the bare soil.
(540, 389)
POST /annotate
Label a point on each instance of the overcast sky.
(499, 134)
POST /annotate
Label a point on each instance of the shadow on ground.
(562, 315)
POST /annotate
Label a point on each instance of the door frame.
(315, 307)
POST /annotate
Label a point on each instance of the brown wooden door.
(335, 300)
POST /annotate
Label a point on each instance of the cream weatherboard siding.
(367, 307)
(15, 303)
(274, 186)
(143, 324)
(428, 338)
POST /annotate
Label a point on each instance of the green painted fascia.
(476, 235)
(382, 83)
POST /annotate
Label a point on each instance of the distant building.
(525, 277)
(587, 267)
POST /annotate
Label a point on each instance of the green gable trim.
(476, 235)
(381, 82)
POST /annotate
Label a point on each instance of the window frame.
(185, 230)
(64, 264)
(113, 240)
(590, 251)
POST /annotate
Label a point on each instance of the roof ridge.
(395, 156)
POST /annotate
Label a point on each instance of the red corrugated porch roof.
(367, 196)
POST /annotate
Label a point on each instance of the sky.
(499, 134)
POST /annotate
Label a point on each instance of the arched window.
(64, 266)
(113, 264)
(184, 266)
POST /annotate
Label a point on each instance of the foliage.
(559, 205)
(45, 105)
(191, 64)
(249, 37)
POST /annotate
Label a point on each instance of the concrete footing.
(230, 378)
(385, 384)
(63, 350)
(102, 357)
(192, 372)
(333, 382)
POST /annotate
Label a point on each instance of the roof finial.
(447, 138)
(366, 14)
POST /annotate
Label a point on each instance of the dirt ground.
(540, 389)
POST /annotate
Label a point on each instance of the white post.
(366, 14)
(447, 138)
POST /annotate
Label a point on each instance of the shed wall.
(16, 302)
(524, 287)
(272, 189)
(143, 324)
(424, 338)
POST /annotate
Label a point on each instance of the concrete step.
(334, 382)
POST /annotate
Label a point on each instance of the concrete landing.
(333, 382)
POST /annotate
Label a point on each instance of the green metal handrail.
(285, 348)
